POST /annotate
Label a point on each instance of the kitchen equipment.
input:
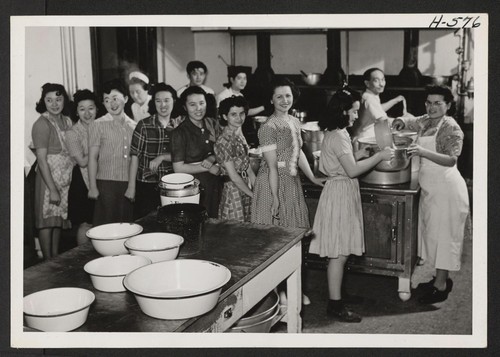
(404, 138)
(177, 180)
(189, 193)
(186, 220)
(177, 289)
(312, 137)
(57, 310)
(387, 172)
(155, 246)
(108, 239)
(258, 317)
(107, 273)
(383, 135)
(311, 79)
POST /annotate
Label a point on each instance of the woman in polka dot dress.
(278, 195)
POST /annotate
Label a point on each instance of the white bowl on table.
(107, 273)
(58, 309)
(108, 239)
(157, 246)
(177, 289)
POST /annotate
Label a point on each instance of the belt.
(243, 174)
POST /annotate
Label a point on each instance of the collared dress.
(191, 144)
(444, 200)
(234, 204)
(80, 207)
(338, 224)
(150, 140)
(113, 138)
(283, 136)
(47, 134)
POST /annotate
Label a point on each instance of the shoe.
(434, 295)
(344, 314)
(352, 299)
(427, 286)
(305, 300)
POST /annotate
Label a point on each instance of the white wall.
(44, 63)
(436, 52)
(208, 46)
(292, 53)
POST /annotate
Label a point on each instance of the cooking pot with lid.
(189, 193)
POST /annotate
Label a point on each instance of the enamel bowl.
(177, 289)
(108, 239)
(155, 246)
(107, 273)
(57, 310)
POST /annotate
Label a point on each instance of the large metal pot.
(183, 194)
(312, 137)
(399, 162)
(311, 78)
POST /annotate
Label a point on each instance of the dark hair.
(234, 101)
(135, 80)
(440, 90)
(80, 95)
(190, 91)
(195, 64)
(155, 89)
(233, 71)
(60, 90)
(333, 117)
(368, 73)
(116, 84)
(283, 82)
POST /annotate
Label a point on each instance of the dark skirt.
(80, 208)
(211, 189)
(147, 198)
(112, 206)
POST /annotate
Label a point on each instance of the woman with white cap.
(138, 87)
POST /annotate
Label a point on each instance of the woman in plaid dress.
(231, 151)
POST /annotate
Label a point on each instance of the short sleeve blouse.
(230, 147)
(191, 144)
(45, 136)
(336, 144)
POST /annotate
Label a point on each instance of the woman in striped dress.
(338, 224)
(231, 152)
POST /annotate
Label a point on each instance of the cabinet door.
(380, 217)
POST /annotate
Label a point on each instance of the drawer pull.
(228, 313)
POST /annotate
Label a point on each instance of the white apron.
(443, 210)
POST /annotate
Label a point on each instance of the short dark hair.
(156, 88)
(367, 75)
(190, 91)
(333, 117)
(234, 101)
(440, 90)
(277, 82)
(60, 90)
(116, 84)
(195, 64)
(81, 95)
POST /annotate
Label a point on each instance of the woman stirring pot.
(444, 201)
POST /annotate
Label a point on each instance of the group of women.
(111, 167)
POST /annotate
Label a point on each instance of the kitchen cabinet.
(390, 216)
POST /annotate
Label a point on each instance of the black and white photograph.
(292, 180)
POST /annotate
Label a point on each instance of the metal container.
(311, 79)
(182, 194)
(312, 138)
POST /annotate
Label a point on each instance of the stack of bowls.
(177, 289)
(155, 246)
(107, 273)
(57, 310)
(109, 239)
(261, 317)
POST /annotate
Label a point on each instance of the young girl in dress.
(231, 152)
(338, 224)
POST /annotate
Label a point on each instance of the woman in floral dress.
(231, 151)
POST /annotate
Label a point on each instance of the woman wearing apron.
(444, 201)
(54, 167)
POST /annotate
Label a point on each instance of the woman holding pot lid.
(193, 147)
(231, 151)
(444, 201)
(54, 167)
(150, 150)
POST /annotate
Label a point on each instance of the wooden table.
(258, 256)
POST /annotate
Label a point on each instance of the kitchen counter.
(258, 256)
